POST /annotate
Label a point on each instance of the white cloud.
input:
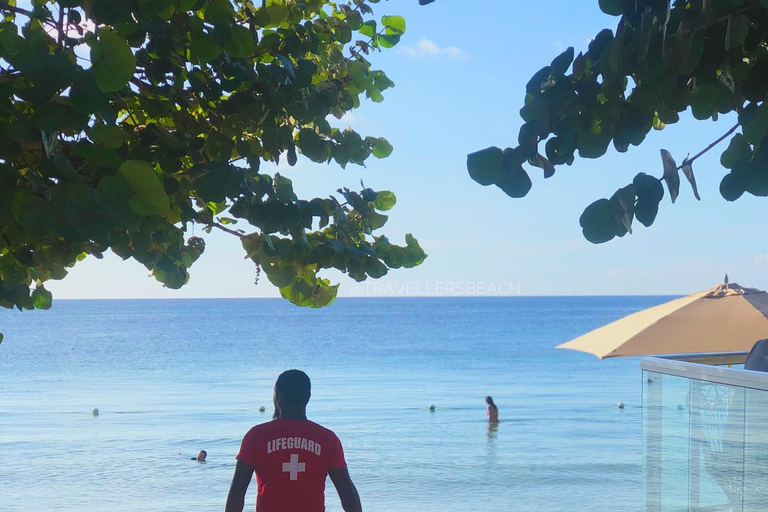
(620, 272)
(348, 119)
(761, 259)
(427, 48)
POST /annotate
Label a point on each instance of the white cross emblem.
(294, 467)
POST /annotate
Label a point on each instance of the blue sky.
(460, 73)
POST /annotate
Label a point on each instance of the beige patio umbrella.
(726, 318)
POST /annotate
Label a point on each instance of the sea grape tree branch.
(710, 58)
(715, 143)
(132, 149)
(16, 10)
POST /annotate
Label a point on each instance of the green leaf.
(542, 163)
(591, 140)
(649, 192)
(513, 179)
(380, 147)
(42, 298)
(313, 146)
(736, 31)
(147, 195)
(65, 168)
(611, 7)
(738, 152)
(561, 63)
(170, 274)
(112, 62)
(159, 8)
(112, 196)
(109, 136)
(415, 255)
(388, 40)
(10, 41)
(99, 156)
(279, 275)
(284, 189)
(375, 268)
(757, 128)
(316, 293)
(218, 12)
(385, 200)
(600, 221)
(702, 101)
(368, 28)
(203, 48)
(688, 173)
(625, 198)
(377, 220)
(731, 187)
(241, 43)
(515, 182)
(277, 14)
(485, 166)
(616, 54)
(394, 24)
(54, 117)
(671, 176)
(305, 72)
(86, 98)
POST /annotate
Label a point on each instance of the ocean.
(171, 377)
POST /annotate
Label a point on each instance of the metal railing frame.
(701, 367)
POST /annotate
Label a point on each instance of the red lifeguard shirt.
(291, 459)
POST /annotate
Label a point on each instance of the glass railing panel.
(666, 446)
(705, 438)
(716, 414)
(756, 451)
(651, 461)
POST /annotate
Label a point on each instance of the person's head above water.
(202, 454)
(489, 401)
(292, 392)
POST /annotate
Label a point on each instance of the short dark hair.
(204, 452)
(294, 386)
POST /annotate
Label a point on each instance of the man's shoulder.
(317, 426)
(261, 428)
(321, 430)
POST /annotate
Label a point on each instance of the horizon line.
(386, 297)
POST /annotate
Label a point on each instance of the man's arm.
(236, 496)
(350, 500)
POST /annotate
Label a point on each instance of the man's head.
(202, 455)
(292, 391)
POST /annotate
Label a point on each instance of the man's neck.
(293, 414)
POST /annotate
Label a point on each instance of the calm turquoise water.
(173, 377)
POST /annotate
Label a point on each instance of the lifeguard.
(291, 457)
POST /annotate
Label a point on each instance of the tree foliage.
(126, 123)
(665, 57)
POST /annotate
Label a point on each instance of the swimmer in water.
(200, 456)
(493, 411)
